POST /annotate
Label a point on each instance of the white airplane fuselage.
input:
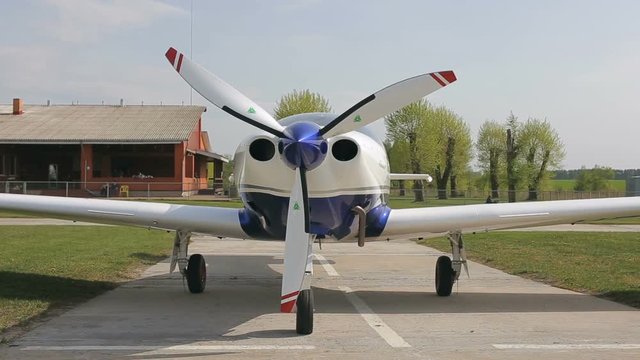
(355, 172)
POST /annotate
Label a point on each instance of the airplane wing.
(425, 177)
(426, 222)
(223, 222)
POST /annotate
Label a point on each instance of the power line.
(191, 53)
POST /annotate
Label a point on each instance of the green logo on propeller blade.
(357, 118)
(296, 206)
(251, 110)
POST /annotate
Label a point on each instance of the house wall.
(86, 163)
(189, 175)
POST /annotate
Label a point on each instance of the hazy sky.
(575, 63)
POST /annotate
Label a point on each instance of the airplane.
(314, 177)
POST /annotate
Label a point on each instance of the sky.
(573, 63)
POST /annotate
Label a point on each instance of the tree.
(299, 102)
(542, 150)
(461, 156)
(398, 153)
(227, 171)
(513, 150)
(445, 143)
(403, 126)
(491, 153)
(593, 179)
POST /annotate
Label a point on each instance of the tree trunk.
(441, 185)
(493, 174)
(512, 152)
(418, 195)
(442, 177)
(534, 186)
(531, 156)
(418, 191)
(454, 186)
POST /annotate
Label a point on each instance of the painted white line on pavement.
(566, 346)
(175, 348)
(331, 271)
(391, 337)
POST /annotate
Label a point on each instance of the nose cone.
(303, 147)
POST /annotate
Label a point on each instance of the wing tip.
(171, 55)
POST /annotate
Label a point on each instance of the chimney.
(17, 106)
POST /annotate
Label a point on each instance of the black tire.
(445, 276)
(196, 274)
(304, 313)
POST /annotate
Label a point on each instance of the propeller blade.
(222, 94)
(386, 101)
(296, 244)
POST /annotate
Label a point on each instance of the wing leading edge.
(422, 222)
(223, 222)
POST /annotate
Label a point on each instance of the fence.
(142, 189)
(478, 196)
(115, 189)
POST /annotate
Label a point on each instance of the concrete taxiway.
(375, 302)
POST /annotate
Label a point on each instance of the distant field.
(568, 185)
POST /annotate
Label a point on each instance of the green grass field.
(48, 267)
(10, 214)
(568, 185)
(604, 264)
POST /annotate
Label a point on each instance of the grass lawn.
(568, 185)
(604, 264)
(10, 214)
(621, 221)
(45, 267)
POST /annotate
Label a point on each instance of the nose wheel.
(304, 312)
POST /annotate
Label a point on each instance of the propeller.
(386, 101)
(303, 146)
(295, 245)
(222, 94)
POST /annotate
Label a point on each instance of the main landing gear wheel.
(304, 313)
(445, 276)
(196, 273)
